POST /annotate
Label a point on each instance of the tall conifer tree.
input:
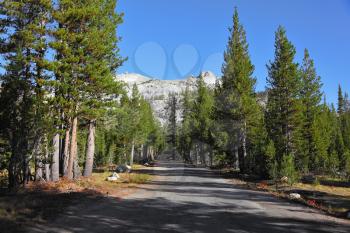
(101, 49)
(186, 128)
(311, 95)
(202, 115)
(283, 109)
(172, 109)
(23, 46)
(236, 101)
(86, 58)
(340, 101)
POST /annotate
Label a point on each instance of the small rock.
(146, 164)
(113, 177)
(284, 179)
(294, 196)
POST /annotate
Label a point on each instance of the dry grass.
(137, 166)
(99, 182)
(330, 199)
(340, 191)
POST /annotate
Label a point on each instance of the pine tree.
(336, 149)
(124, 127)
(322, 133)
(311, 95)
(135, 119)
(86, 58)
(237, 100)
(103, 59)
(202, 112)
(186, 128)
(172, 108)
(283, 107)
(340, 149)
(150, 133)
(340, 101)
(23, 46)
(345, 122)
(68, 35)
(288, 169)
(147, 127)
(343, 137)
(261, 149)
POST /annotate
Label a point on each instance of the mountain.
(157, 91)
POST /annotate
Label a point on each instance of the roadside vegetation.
(284, 134)
(62, 113)
(289, 131)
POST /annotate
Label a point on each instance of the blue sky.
(170, 39)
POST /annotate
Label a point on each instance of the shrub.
(288, 169)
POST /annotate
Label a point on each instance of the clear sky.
(170, 39)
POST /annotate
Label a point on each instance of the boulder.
(294, 196)
(309, 179)
(123, 168)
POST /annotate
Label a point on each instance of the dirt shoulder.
(333, 198)
(41, 203)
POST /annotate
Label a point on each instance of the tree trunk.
(66, 150)
(151, 153)
(236, 157)
(148, 155)
(198, 149)
(47, 164)
(174, 151)
(244, 147)
(211, 155)
(76, 168)
(38, 161)
(124, 154)
(90, 150)
(39, 171)
(13, 171)
(72, 149)
(141, 154)
(202, 153)
(132, 153)
(55, 165)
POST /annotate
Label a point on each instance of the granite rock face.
(157, 91)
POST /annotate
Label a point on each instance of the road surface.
(193, 200)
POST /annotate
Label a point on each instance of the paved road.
(193, 200)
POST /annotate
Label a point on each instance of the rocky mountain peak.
(157, 91)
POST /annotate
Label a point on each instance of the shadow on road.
(162, 215)
(184, 199)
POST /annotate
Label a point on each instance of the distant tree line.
(295, 132)
(61, 110)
